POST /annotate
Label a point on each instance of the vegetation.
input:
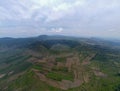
(38, 67)
(59, 76)
(23, 61)
(61, 59)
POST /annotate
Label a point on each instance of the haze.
(89, 18)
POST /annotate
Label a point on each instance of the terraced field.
(41, 66)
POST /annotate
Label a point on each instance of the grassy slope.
(30, 82)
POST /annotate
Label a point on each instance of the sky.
(88, 18)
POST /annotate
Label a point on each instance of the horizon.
(79, 18)
(90, 37)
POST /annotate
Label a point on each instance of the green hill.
(59, 63)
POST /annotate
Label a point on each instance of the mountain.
(59, 63)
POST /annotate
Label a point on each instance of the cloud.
(62, 10)
(37, 9)
(57, 30)
(83, 16)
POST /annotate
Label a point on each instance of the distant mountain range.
(93, 41)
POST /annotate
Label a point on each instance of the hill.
(59, 63)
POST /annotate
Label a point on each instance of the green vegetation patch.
(12, 59)
(61, 59)
(17, 66)
(38, 67)
(22, 67)
(29, 82)
(23, 82)
(62, 69)
(101, 57)
(60, 76)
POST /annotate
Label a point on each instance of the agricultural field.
(40, 66)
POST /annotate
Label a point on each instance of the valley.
(48, 63)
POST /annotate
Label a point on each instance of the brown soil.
(86, 61)
(73, 65)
